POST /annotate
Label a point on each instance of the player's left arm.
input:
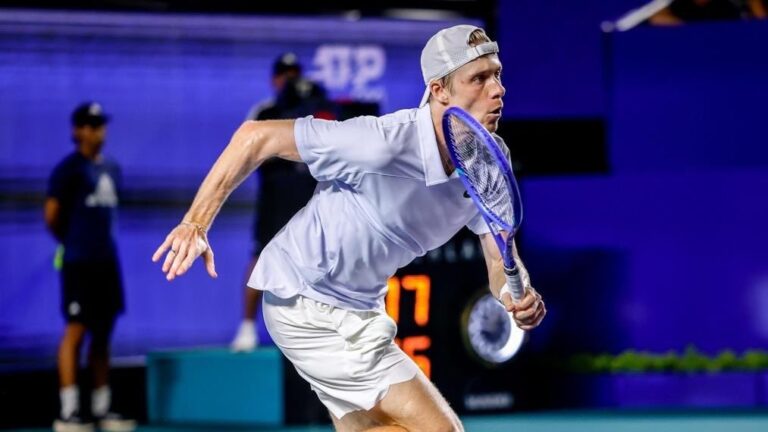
(528, 312)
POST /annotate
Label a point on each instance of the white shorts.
(348, 357)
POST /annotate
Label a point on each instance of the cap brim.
(425, 98)
(92, 121)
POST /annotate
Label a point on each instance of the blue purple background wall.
(663, 251)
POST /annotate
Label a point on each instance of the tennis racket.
(487, 175)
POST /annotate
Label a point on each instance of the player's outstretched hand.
(183, 245)
(529, 311)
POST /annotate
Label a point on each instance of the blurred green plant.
(691, 360)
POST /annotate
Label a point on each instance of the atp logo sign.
(351, 71)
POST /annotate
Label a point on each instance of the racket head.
(484, 170)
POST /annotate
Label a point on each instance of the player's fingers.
(171, 256)
(529, 327)
(210, 264)
(533, 319)
(528, 300)
(540, 315)
(536, 294)
(200, 245)
(508, 302)
(536, 317)
(525, 314)
(187, 255)
(188, 261)
(161, 250)
(181, 254)
(193, 252)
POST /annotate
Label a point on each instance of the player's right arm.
(252, 144)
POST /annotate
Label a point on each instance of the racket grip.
(514, 284)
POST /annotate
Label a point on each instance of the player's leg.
(413, 405)
(101, 397)
(354, 421)
(68, 362)
(98, 361)
(69, 350)
(417, 405)
(69, 394)
(106, 301)
(373, 383)
(363, 421)
(102, 303)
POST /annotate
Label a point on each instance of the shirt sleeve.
(336, 150)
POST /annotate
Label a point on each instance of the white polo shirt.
(382, 200)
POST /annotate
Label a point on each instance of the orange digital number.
(421, 285)
(412, 345)
(393, 298)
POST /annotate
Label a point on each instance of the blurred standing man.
(80, 209)
(284, 186)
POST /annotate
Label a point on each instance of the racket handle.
(514, 284)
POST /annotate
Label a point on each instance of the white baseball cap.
(449, 50)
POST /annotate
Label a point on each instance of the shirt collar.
(430, 155)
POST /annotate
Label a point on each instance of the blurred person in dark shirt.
(82, 199)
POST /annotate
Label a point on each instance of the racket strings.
(480, 167)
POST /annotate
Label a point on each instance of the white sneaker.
(113, 422)
(246, 339)
(72, 423)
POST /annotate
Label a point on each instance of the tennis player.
(387, 193)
